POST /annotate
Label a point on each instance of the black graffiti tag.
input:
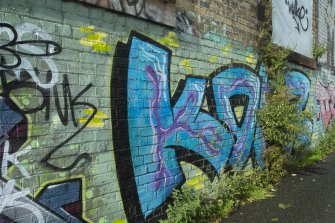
(299, 14)
(69, 104)
(10, 48)
(12, 64)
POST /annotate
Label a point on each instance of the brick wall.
(104, 114)
(325, 30)
(325, 37)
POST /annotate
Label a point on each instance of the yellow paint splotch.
(95, 40)
(120, 221)
(170, 40)
(198, 181)
(239, 112)
(213, 59)
(186, 63)
(226, 49)
(250, 58)
(87, 29)
(97, 121)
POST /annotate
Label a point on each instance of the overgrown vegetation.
(274, 57)
(214, 203)
(280, 120)
(231, 190)
(318, 51)
(281, 123)
(324, 146)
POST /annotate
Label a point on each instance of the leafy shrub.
(188, 205)
(276, 161)
(212, 204)
(318, 51)
(279, 119)
(325, 146)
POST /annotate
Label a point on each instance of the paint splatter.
(239, 112)
(213, 59)
(226, 49)
(198, 181)
(87, 29)
(170, 40)
(95, 40)
(186, 64)
(97, 121)
(250, 58)
(35, 144)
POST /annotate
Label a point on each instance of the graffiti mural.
(11, 198)
(300, 85)
(154, 131)
(162, 11)
(64, 199)
(325, 96)
(100, 123)
(20, 75)
(22, 68)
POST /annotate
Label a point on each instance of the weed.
(318, 51)
(215, 203)
(276, 159)
(325, 146)
(281, 122)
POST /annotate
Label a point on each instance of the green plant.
(240, 186)
(274, 57)
(280, 120)
(318, 51)
(325, 145)
(188, 205)
(232, 190)
(216, 202)
(276, 159)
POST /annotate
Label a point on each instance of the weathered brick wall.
(229, 19)
(325, 29)
(325, 37)
(104, 114)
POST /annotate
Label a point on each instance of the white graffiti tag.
(26, 51)
(9, 197)
(12, 158)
